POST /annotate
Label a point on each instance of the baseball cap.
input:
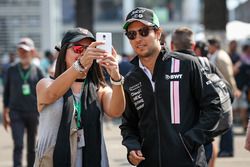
(26, 44)
(143, 15)
(76, 34)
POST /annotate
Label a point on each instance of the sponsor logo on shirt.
(136, 95)
(173, 76)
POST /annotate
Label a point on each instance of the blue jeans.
(20, 122)
(208, 151)
(226, 142)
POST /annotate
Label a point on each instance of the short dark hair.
(214, 42)
(182, 38)
(202, 46)
(245, 47)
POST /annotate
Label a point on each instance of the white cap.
(26, 44)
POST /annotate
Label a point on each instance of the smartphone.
(105, 37)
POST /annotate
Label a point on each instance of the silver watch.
(78, 67)
(120, 82)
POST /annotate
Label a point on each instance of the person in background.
(19, 99)
(232, 51)
(47, 61)
(240, 105)
(12, 59)
(200, 49)
(244, 73)
(222, 61)
(243, 82)
(124, 65)
(163, 100)
(73, 102)
(52, 68)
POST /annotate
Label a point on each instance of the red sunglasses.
(77, 48)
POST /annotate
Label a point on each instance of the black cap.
(75, 35)
(143, 15)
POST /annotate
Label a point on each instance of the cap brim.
(25, 47)
(80, 37)
(125, 26)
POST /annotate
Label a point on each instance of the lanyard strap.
(24, 76)
(78, 107)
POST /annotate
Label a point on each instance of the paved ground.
(117, 153)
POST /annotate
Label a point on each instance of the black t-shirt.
(13, 88)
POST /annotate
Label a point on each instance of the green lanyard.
(78, 108)
(24, 76)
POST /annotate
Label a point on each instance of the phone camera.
(104, 36)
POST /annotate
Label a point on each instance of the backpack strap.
(205, 63)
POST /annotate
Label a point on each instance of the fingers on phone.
(96, 43)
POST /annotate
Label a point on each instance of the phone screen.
(105, 37)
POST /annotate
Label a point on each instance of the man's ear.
(34, 52)
(172, 46)
(159, 33)
(193, 46)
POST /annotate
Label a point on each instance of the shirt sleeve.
(129, 127)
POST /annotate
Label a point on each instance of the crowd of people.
(164, 99)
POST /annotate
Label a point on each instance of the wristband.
(120, 82)
(78, 66)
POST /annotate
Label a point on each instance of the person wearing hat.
(73, 102)
(20, 112)
(165, 92)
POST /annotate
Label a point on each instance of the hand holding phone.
(105, 37)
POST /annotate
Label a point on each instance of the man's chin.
(25, 62)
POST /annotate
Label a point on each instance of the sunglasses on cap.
(77, 48)
(144, 31)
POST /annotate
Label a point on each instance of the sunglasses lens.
(144, 31)
(131, 35)
(78, 49)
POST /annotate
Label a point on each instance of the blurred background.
(45, 21)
